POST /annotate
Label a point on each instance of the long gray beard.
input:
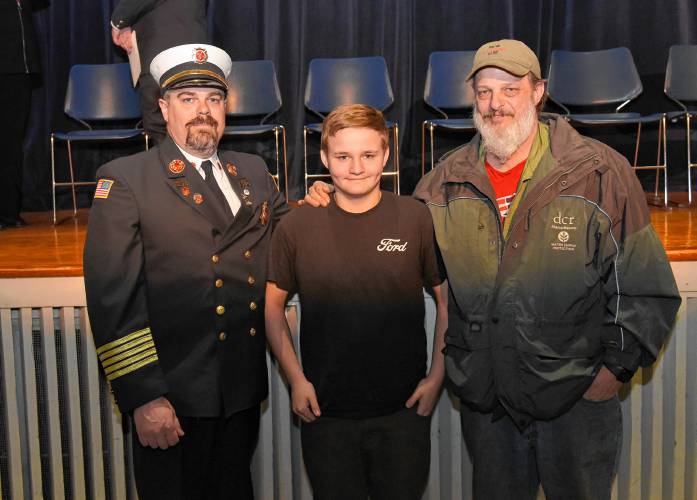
(503, 142)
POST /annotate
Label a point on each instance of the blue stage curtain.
(405, 32)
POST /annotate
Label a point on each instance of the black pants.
(15, 98)
(386, 458)
(211, 461)
(573, 456)
(153, 121)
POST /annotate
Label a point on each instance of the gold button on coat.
(215, 259)
(252, 331)
(248, 254)
(218, 283)
(253, 306)
(251, 280)
(222, 336)
(220, 310)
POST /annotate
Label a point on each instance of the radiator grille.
(61, 436)
(4, 447)
(63, 412)
(37, 351)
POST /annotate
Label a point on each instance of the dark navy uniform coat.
(161, 24)
(175, 289)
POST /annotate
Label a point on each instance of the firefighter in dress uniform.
(175, 270)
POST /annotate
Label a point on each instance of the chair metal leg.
(423, 148)
(433, 158)
(305, 157)
(285, 161)
(147, 141)
(658, 159)
(664, 125)
(72, 178)
(395, 160)
(53, 177)
(661, 154)
(280, 129)
(689, 159)
(275, 136)
(636, 146)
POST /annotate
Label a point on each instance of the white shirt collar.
(197, 161)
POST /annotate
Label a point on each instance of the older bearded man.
(175, 274)
(558, 288)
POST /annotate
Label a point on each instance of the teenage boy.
(359, 266)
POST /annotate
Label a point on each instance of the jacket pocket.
(559, 339)
(468, 369)
(556, 361)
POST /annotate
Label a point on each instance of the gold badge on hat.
(264, 217)
(176, 166)
(232, 169)
(198, 198)
(200, 55)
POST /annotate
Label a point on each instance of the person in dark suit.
(175, 270)
(18, 73)
(159, 24)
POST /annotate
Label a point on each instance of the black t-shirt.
(360, 278)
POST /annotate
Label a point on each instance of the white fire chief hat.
(191, 65)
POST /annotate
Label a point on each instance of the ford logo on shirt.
(392, 245)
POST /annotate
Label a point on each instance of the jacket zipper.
(24, 43)
(499, 227)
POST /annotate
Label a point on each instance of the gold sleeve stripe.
(123, 340)
(130, 360)
(131, 368)
(125, 347)
(128, 354)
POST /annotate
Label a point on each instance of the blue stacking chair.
(96, 93)
(253, 91)
(681, 87)
(447, 89)
(605, 78)
(357, 80)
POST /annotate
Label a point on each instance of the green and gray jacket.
(579, 279)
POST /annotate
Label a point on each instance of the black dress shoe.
(9, 222)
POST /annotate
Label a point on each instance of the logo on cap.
(200, 55)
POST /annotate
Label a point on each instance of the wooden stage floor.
(43, 250)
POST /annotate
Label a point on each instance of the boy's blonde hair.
(353, 115)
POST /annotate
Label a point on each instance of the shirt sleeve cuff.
(623, 364)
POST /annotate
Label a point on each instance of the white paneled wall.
(62, 437)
